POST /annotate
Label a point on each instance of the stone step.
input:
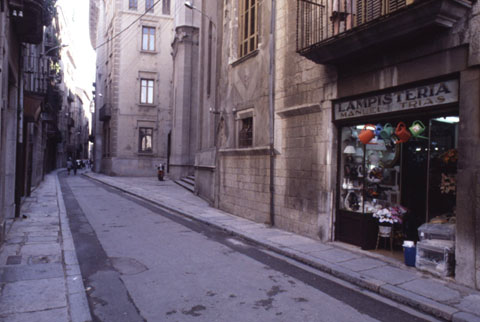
(185, 185)
(189, 181)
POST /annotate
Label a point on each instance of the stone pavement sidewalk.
(40, 277)
(444, 299)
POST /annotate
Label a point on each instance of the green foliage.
(54, 66)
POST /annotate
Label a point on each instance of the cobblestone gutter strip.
(416, 301)
(76, 297)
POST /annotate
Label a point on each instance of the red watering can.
(367, 133)
(402, 133)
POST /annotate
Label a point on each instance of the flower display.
(390, 215)
(450, 156)
(448, 184)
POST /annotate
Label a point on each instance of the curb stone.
(465, 317)
(392, 292)
(76, 296)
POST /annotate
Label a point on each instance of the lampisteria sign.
(435, 94)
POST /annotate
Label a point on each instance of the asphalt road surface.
(140, 263)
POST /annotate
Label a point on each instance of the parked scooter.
(160, 172)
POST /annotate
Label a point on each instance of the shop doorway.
(414, 178)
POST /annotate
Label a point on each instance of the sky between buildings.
(77, 12)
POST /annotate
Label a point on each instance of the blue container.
(410, 254)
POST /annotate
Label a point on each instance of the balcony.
(332, 31)
(36, 74)
(105, 113)
(51, 41)
(55, 97)
(70, 97)
(48, 117)
(28, 18)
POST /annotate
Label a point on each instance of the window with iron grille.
(145, 137)
(166, 7)
(149, 6)
(132, 4)
(248, 26)
(245, 138)
(148, 38)
(146, 91)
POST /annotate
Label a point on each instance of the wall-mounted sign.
(440, 93)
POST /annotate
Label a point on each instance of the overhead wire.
(126, 28)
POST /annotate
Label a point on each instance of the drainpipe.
(271, 98)
(20, 156)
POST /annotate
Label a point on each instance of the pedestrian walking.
(75, 166)
(69, 165)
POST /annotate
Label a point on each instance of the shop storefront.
(397, 163)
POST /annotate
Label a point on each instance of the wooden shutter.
(360, 12)
(374, 9)
(395, 5)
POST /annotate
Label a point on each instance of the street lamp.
(53, 48)
(190, 5)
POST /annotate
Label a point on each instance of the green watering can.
(417, 128)
(387, 131)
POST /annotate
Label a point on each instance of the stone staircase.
(187, 183)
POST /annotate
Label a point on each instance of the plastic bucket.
(410, 253)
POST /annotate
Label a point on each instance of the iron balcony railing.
(28, 17)
(320, 20)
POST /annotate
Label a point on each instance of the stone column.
(467, 270)
(185, 102)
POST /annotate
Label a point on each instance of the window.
(166, 7)
(148, 38)
(132, 4)
(248, 26)
(145, 136)
(146, 91)
(246, 133)
(149, 5)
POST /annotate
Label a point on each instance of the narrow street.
(140, 263)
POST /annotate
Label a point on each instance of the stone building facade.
(196, 60)
(30, 102)
(133, 84)
(283, 176)
(285, 101)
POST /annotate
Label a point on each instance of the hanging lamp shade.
(349, 149)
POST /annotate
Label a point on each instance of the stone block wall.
(301, 182)
(303, 136)
(244, 186)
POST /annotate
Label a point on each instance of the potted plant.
(387, 217)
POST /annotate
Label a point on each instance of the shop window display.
(400, 173)
(370, 177)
